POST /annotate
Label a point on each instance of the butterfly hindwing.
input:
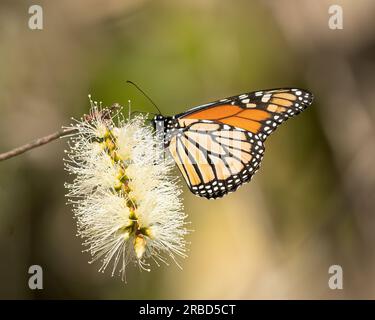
(215, 160)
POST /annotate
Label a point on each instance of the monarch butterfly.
(219, 146)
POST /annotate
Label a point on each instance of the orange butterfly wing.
(234, 116)
(257, 112)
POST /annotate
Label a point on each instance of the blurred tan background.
(309, 207)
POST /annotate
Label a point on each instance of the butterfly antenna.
(144, 93)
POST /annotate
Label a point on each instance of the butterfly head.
(158, 122)
(165, 127)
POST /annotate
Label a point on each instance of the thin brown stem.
(36, 143)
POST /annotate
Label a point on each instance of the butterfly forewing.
(259, 112)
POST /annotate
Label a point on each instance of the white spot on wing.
(266, 97)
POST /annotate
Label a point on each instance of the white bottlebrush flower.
(125, 198)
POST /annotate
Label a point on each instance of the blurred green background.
(310, 206)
